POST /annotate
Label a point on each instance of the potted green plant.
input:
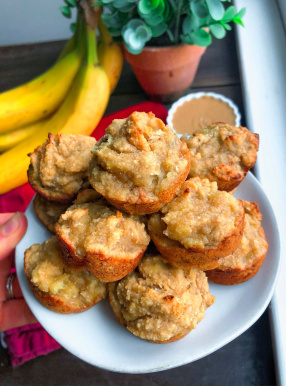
(164, 40)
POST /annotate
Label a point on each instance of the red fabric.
(27, 342)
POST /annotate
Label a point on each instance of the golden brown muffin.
(48, 212)
(87, 195)
(222, 153)
(200, 226)
(56, 287)
(103, 240)
(139, 164)
(160, 303)
(58, 168)
(247, 259)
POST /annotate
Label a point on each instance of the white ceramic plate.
(97, 337)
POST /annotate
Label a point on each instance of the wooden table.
(248, 360)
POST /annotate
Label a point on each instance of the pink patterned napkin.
(27, 342)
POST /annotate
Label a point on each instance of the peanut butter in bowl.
(198, 110)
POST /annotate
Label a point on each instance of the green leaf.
(187, 39)
(143, 33)
(216, 9)
(167, 14)
(132, 50)
(122, 6)
(190, 23)
(241, 13)
(186, 25)
(65, 10)
(159, 29)
(73, 27)
(201, 38)
(218, 31)
(135, 23)
(237, 20)
(112, 20)
(161, 8)
(147, 6)
(154, 20)
(199, 8)
(229, 14)
(226, 26)
(135, 34)
(71, 3)
(114, 31)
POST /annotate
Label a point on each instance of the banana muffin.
(48, 212)
(247, 259)
(60, 289)
(200, 226)
(160, 303)
(222, 153)
(87, 195)
(59, 168)
(139, 164)
(98, 237)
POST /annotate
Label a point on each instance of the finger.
(15, 285)
(4, 217)
(15, 313)
(17, 289)
(11, 232)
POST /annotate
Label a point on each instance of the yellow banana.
(79, 114)
(110, 56)
(8, 140)
(12, 138)
(19, 91)
(94, 95)
(44, 100)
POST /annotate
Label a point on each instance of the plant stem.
(171, 36)
(179, 6)
(172, 2)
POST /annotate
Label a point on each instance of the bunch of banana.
(69, 98)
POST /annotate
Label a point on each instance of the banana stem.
(104, 34)
(75, 41)
(69, 46)
(92, 57)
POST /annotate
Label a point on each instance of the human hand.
(13, 312)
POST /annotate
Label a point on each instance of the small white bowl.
(198, 95)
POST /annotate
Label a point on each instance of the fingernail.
(12, 224)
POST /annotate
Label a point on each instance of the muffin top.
(137, 159)
(86, 195)
(159, 302)
(47, 272)
(48, 212)
(58, 168)
(221, 152)
(253, 244)
(96, 227)
(201, 216)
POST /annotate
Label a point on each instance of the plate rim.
(29, 297)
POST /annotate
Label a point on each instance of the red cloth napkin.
(27, 342)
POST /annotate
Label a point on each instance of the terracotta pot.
(165, 72)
